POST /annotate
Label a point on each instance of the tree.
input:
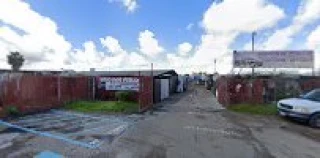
(16, 60)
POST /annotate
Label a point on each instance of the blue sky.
(80, 34)
(168, 19)
(86, 20)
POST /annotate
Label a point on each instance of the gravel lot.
(191, 125)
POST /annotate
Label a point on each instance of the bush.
(281, 94)
(123, 95)
(12, 110)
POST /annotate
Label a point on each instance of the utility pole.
(252, 65)
(152, 70)
(215, 65)
(252, 40)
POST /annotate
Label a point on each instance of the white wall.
(164, 88)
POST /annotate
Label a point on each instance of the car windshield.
(313, 95)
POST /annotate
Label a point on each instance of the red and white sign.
(120, 83)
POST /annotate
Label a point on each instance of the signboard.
(120, 83)
(273, 59)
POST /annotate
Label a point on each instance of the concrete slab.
(76, 128)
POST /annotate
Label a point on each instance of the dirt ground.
(192, 125)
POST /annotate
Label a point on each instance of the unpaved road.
(191, 125)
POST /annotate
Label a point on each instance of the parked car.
(306, 108)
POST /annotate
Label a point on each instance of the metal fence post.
(59, 88)
(139, 93)
(93, 88)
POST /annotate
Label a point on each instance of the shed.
(160, 80)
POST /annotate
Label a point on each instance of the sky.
(185, 35)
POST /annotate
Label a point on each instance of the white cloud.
(214, 47)
(176, 61)
(184, 48)
(308, 12)
(122, 57)
(19, 14)
(34, 35)
(149, 45)
(248, 46)
(90, 57)
(3, 55)
(112, 45)
(189, 26)
(224, 21)
(137, 59)
(241, 16)
(89, 54)
(131, 5)
(313, 42)
(281, 39)
(37, 37)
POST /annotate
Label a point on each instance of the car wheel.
(315, 120)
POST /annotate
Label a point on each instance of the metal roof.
(131, 73)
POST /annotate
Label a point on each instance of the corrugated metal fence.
(31, 93)
(146, 93)
(236, 90)
(34, 93)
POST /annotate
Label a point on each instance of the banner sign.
(120, 83)
(273, 59)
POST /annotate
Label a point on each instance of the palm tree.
(16, 60)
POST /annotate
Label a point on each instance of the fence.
(35, 93)
(236, 90)
(146, 93)
(144, 96)
(29, 93)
